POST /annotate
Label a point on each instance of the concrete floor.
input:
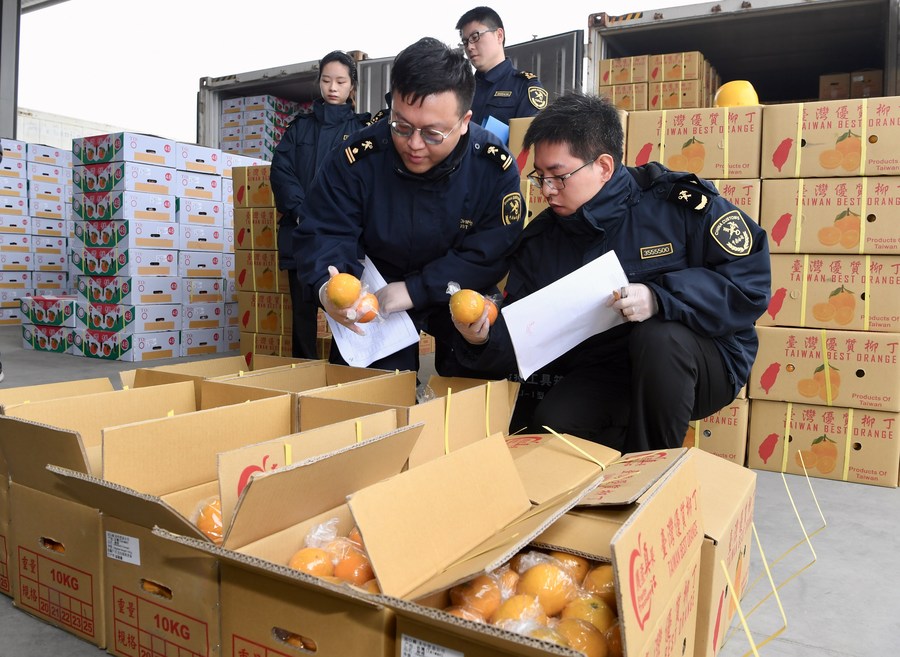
(847, 603)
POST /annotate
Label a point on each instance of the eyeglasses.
(556, 183)
(474, 37)
(430, 136)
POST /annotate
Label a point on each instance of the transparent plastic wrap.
(207, 516)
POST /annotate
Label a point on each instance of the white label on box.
(123, 548)
(412, 647)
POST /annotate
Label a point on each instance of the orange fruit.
(829, 235)
(809, 459)
(851, 161)
(847, 221)
(209, 520)
(830, 159)
(577, 566)
(492, 311)
(507, 579)
(355, 536)
(694, 149)
(824, 312)
(518, 562)
(849, 144)
(850, 238)
(842, 298)
(547, 634)
(354, 567)
(589, 607)
(466, 306)
(583, 637)
(843, 316)
(481, 594)
(343, 290)
(824, 447)
(550, 583)
(689, 438)
(465, 612)
(312, 561)
(614, 641)
(371, 586)
(367, 310)
(518, 608)
(601, 581)
(808, 387)
(825, 464)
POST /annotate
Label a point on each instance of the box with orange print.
(847, 444)
(252, 188)
(857, 137)
(686, 65)
(265, 312)
(675, 94)
(258, 270)
(623, 70)
(857, 292)
(136, 290)
(124, 147)
(855, 369)
(255, 228)
(745, 193)
(724, 433)
(836, 215)
(265, 344)
(628, 97)
(714, 143)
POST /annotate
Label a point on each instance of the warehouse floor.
(845, 603)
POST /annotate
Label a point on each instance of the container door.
(557, 60)
(374, 83)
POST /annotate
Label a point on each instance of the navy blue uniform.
(506, 93)
(298, 156)
(456, 222)
(708, 265)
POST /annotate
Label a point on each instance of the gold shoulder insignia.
(498, 154)
(688, 195)
(731, 233)
(512, 208)
(380, 114)
(528, 75)
(538, 97)
(360, 149)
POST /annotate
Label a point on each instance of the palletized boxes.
(48, 323)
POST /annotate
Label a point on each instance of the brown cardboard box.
(858, 292)
(834, 86)
(839, 215)
(257, 344)
(627, 97)
(836, 138)
(835, 368)
(252, 188)
(623, 70)
(724, 433)
(265, 312)
(676, 66)
(744, 193)
(256, 228)
(848, 444)
(258, 271)
(675, 94)
(866, 84)
(714, 143)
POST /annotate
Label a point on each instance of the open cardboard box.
(123, 436)
(461, 411)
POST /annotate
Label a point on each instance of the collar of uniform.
(500, 71)
(443, 168)
(327, 113)
(609, 207)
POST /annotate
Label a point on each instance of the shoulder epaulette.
(360, 148)
(497, 154)
(380, 114)
(690, 193)
(528, 75)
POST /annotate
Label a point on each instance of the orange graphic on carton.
(817, 386)
(821, 455)
(839, 308)
(691, 157)
(846, 154)
(844, 231)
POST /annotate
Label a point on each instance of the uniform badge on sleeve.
(512, 208)
(498, 155)
(538, 97)
(360, 149)
(731, 232)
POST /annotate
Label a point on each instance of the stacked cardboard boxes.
(825, 388)
(253, 125)
(658, 81)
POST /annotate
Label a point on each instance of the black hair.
(343, 58)
(589, 124)
(431, 67)
(483, 15)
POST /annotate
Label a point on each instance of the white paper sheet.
(382, 338)
(548, 323)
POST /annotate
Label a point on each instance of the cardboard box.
(127, 319)
(129, 290)
(199, 211)
(48, 155)
(44, 209)
(14, 206)
(825, 139)
(203, 291)
(252, 188)
(837, 218)
(13, 149)
(834, 368)
(16, 261)
(675, 94)
(48, 310)
(16, 224)
(201, 159)
(724, 433)
(253, 344)
(124, 261)
(676, 66)
(124, 206)
(192, 237)
(49, 262)
(190, 184)
(627, 97)
(46, 173)
(258, 271)
(866, 84)
(124, 176)
(745, 194)
(14, 244)
(846, 444)
(46, 191)
(623, 70)
(203, 315)
(18, 282)
(132, 234)
(232, 160)
(9, 184)
(124, 147)
(196, 342)
(53, 246)
(49, 228)
(201, 264)
(713, 143)
(51, 283)
(111, 345)
(854, 292)
(265, 312)
(834, 86)
(256, 228)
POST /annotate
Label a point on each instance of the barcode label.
(412, 647)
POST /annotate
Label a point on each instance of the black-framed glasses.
(557, 183)
(475, 37)
(430, 136)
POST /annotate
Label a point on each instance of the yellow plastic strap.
(849, 438)
(358, 431)
(862, 221)
(863, 140)
(804, 284)
(798, 223)
(293, 366)
(447, 422)
(868, 289)
(725, 142)
(740, 612)
(827, 369)
(487, 410)
(240, 373)
(576, 448)
(288, 454)
(662, 137)
(787, 432)
(798, 140)
(171, 413)
(123, 388)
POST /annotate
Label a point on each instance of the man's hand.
(636, 302)
(477, 332)
(393, 298)
(344, 316)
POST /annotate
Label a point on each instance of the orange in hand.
(343, 290)
(367, 309)
(466, 306)
(492, 311)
